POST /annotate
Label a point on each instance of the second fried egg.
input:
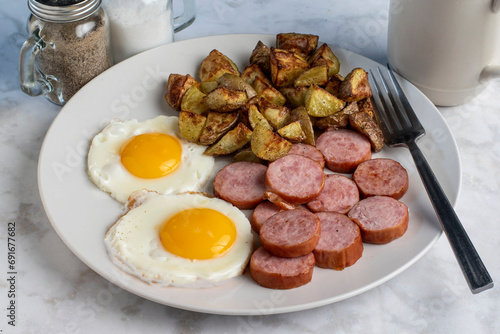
(130, 155)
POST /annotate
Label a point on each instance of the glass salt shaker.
(69, 46)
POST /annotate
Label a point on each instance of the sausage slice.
(340, 244)
(381, 177)
(261, 213)
(279, 272)
(380, 218)
(308, 151)
(291, 233)
(343, 149)
(339, 194)
(241, 184)
(295, 178)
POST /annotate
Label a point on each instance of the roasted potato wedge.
(251, 72)
(223, 99)
(320, 103)
(300, 114)
(191, 125)
(295, 96)
(177, 86)
(339, 120)
(231, 141)
(243, 111)
(355, 86)
(268, 145)
(333, 85)
(247, 155)
(278, 116)
(268, 92)
(194, 101)
(260, 56)
(234, 82)
(255, 117)
(325, 56)
(315, 75)
(217, 124)
(303, 44)
(365, 124)
(286, 66)
(366, 106)
(215, 65)
(208, 86)
(293, 132)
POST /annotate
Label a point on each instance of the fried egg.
(180, 240)
(130, 155)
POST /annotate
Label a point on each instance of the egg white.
(134, 244)
(108, 173)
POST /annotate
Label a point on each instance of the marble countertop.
(57, 293)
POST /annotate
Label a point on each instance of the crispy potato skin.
(215, 65)
(366, 105)
(355, 86)
(276, 115)
(216, 126)
(325, 56)
(295, 96)
(286, 66)
(300, 114)
(234, 82)
(302, 44)
(333, 85)
(365, 124)
(191, 125)
(223, 99)
(231, 141)
(267, 91)
(260, 56)
(339, 120)
(268, 145)
(251, 72)
(177, 86)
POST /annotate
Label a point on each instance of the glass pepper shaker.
(68, 47)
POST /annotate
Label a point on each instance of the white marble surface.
(57, 293)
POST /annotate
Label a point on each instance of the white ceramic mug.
(449, 49)
(139, 25)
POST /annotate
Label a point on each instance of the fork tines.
(397, 117)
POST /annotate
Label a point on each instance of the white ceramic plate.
(81, 214)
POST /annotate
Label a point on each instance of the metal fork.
(401, 127)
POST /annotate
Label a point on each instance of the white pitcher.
(449, 49)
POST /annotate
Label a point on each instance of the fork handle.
(472, 267)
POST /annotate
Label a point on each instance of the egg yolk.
(151, 155)
(198, 234)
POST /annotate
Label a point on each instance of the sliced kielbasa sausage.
(383, 177)
(340, 244)
(280, 272)
(339, 194)
(343, 149)
(241, 184)
(295, 178)
(380, 218)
